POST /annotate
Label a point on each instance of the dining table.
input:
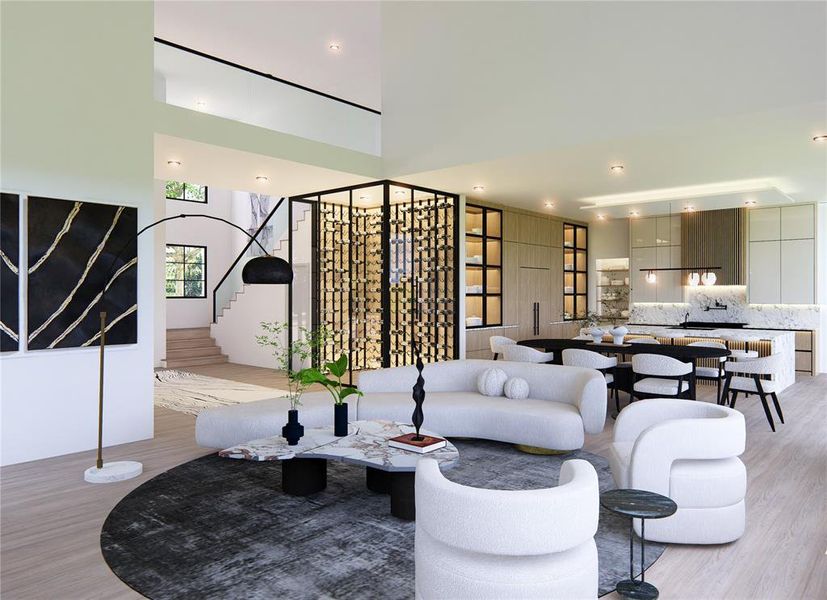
(690, 354)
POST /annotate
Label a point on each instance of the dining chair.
(642, 340)
(715, 374)
(749, 377)
(497, 342)
(576, 357)
(517, 353)
(657, 375)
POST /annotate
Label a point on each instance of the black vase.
(340, 419)
(294, 430)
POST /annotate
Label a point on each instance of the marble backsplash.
(734, 297)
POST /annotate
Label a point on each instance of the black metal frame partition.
(385, 273)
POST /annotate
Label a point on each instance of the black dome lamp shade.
(267, 269)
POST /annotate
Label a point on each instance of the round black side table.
(637, 504)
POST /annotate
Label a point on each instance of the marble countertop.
(736, 335)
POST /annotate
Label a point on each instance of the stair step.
(190, 343)
(188, 333)
(184, 353)
(173, 363)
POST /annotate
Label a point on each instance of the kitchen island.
(764, 340)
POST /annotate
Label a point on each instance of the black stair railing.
(240, 256)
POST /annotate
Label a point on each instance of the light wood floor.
(51, 519)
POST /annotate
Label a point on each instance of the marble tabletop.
(638, 503)
(366, 444)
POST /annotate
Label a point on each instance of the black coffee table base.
(303, 476)
(400, 486)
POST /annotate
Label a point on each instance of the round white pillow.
(516, 388)
(491, 381)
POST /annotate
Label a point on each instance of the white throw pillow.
(516, 388)
(491, 381)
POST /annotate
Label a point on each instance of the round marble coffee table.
(388, 470)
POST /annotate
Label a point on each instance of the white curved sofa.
(564, 404)
(688, 451)
(483, 544)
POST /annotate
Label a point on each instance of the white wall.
(219, 238)
(76, 114)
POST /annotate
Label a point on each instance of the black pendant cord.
(99, 460)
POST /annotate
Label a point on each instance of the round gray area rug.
(218, 528)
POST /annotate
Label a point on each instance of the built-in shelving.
(612, 288)
(575, 271)
(483, 266)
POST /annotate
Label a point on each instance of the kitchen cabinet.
(643, 232)
(535, 302)
(764, 224)
(797, 222)
(797, 281)
(765, 272)
(667, 231)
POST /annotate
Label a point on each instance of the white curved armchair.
(688, 451)
(497, 342)
(493, 544)
(517, 353)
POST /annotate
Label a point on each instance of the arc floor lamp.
(267, 269)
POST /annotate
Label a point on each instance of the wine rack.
(386, 273)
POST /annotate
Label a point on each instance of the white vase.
(618, 334)
(597, 334)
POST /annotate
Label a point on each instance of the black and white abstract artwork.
(71, 248)
(9, 271)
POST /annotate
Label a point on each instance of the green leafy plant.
(591, 318)
(304, 348)
(337, 389)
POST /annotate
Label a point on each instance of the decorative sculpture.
(418, 395)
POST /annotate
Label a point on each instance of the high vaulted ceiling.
(535, 100)
(287, 39)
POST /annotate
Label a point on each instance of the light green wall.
(76, 111)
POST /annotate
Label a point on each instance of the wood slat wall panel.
(716, 238)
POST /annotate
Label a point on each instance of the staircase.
(191, 348)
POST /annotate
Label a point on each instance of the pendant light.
(709, 278)
(694, 279)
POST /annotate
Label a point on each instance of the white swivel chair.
(497, 342)
(689, 452)
(656, 375)
(481, 544)
(518, 353)
(576, 357)
(715, 373)
(747, 376)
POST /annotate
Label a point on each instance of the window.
(189, 192)
(186, 271)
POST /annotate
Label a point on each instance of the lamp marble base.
(113, 472)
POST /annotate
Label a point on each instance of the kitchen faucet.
(685, 318)
(717, 306)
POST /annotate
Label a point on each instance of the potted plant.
(337, 389)
(303, 348)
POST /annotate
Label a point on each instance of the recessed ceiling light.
(820, 139)
(200, 104)
(749, 202)
(478, 188)
(633, 213)
(262, 178)
(549, 204)
(174, 163)
(689, 208)
(334, 47)
(616, 169)
(601, 216)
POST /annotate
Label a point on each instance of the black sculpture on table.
(418, 394)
